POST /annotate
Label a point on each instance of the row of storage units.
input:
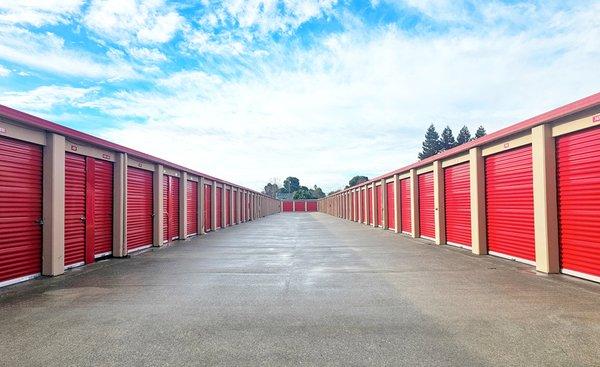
(68, 199)
(288, 206)
(529, 192)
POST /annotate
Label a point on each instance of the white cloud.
(132, 21)
(47, 51)
(359, 102)
(4, 71)
(147, 54)
(38, 12)
(46, 97)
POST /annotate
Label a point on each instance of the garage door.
(20, 210)
(300, 206)
(457, 200)
(370, 205)
(311, 206)
(170, 208)
(391, 213)
(405, 210)
(207, 208)
(228, 207)
(379, 211)
(192, 208)
(509, 204)
(578, 176)
(236, 208)
(362, 206)
(139, 208)
(219, 205)
(288, 206)
(88, 209)
(426, 205)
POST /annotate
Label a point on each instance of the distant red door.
(74, 209)
(228, 207)
(236, 208)
(379, 211)
(457, 201)
(370, 205)
(219, 205)
(391, 210)
(426, 205)
(192, 208)
(300, 206)
(170, 208)
(139, 208)
(311, 206)
(406, 220)
(207, 208)
(288, 206)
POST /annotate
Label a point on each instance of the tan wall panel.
(89, 151)
(22, 133)
(515, 141)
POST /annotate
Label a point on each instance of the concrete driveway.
(302, 289)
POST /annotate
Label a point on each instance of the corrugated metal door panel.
(578, 177)
(192, 207)
(103, 206)
(139, 208)
(406, 223)
(288, 206)
(362, 205)
(457, 200)
(75, 182)
(228, 207)
(509, 203)
(219, 205)
(166, 208)
(311, 206)
(300, 206)
(236, 207)
(379, 211)
(207, 206)
(174, 207)
(426, 205)
(391, 213)
(20, 209)
(370, 205)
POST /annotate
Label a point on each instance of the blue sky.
(252, 91)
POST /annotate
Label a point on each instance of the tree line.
(291, 185)
(434, 143)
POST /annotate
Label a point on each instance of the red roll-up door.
(406, 219)
(170, 208)
(578, 176)
(20, 210)
(219, 205)
(139, 208)
(74, 209)
(391, 210)
(103, 207)
(228, 207)
(236, 208)
(379, 211)
(300, 206)
(311, 206)
(207, 208)
(362, 206)
(288, 206)
(457, 201)
(192, 207)
(166, 208)
(370, 205)
(426, 205)
(509, 204)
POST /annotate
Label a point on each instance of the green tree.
(464, 135)
(271, 189)
(316, 192)
(302, 193)
(291, 184)
(357, 180)
(431, 145)
(480, 132)
(447, 140)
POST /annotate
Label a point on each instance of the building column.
(213, 206)
(158, 206)
(477, 188)
(397, 204)
(547, 253)
(201, 229)
(183, 187)
(53, 215)
(439, 203)
(384, 208)
(119, 248)
(223, 207)
(414, 203)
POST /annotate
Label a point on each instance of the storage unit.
(405, 211)
(362, 207)
(20, 210)
(311, 206)
(140, 208)
(288, 206)
(219, 205)
(192, 208)
(370, 205)
(88, 209)
(509, 204)
(236, 208)
(578, 186)
(391, 210)
(300, 206)
(426, 205)
(457, 198)
(227, 207)
(379, 211)
(170, 208)
(207, 208)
